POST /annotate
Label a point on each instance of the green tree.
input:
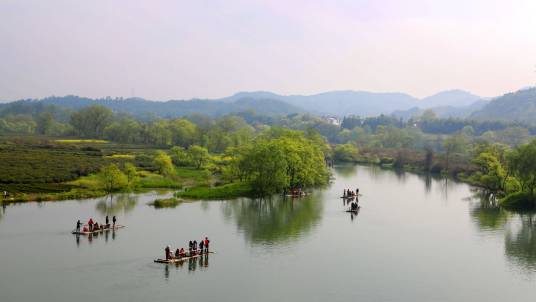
(346, 153)
(198, 155)
(523, 165)
(183, 132)
(111, 178)
(91, 121)
(180, 156)
(131, 174)
(453, 144)
(164, 164)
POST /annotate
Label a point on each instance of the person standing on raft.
(206, 244)
(168, 252)
(78, 224)
(90, 224)
(201, 243)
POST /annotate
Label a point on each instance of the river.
(415, 238)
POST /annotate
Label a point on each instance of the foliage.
(112, 179)
(91, 121)
(518, 201)
(164, 164)
(346, 153)
(280, 159)
(166, 203)
(198, 155)
(131, 174)
(232, 190)
(523, 166)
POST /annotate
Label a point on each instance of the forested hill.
(140, 107)
(336, 103)
(517, 106)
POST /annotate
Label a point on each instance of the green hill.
(518, 106)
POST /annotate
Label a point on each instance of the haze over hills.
(363, 103)
(443, 111)
(449, 98)
(335, 103)
(142, 107)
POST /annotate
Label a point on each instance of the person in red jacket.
(90, 224)
(206, 244)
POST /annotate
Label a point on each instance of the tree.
(164, 164)
(198, 155)
(183, 132)
(111, 178)
(180, 157)
(453, 144)
(91, 121)
(523, 165)
(131, 174)
(346, 153)
(45, 122)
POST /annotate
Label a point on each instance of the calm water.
(415, 239)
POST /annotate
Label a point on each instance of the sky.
(172, 49)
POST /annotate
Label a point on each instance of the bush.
(166, 203)
(519, 201)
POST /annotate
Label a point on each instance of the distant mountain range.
(517, 106)
(336, 103)
(363, 103)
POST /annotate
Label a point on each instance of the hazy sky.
(165, 49)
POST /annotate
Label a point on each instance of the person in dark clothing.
(195, 246)
(201, 247)
(107, 221)
(78, 225)
(114, 220)
(177, 254)
(168, 252)
(190, 248)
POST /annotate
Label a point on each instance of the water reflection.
(520, 244)
(193, 264)
(3, 212)
(519, 228)
(114, 204)
(274, 220)
(106, 234)
(346, 170)
(486, 212)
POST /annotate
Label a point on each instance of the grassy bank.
(228, 191)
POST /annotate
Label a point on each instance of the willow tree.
(111, 178)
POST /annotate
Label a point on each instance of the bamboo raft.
(353, 211)
(98, 231)
(175, 260)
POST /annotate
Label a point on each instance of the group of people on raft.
(350, 193)
(354, 206)
(95, 226)
(193, 249)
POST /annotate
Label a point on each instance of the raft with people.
(181, 259)
(94, 227)
(194, 251)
